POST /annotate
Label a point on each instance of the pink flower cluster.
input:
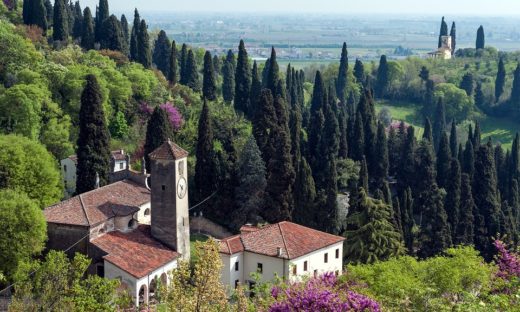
(174, 115)
(508, 263)
(320, 294)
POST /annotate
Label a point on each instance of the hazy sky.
(447, 7)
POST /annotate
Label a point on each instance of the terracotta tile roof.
(248, 228)
(88, 209)
(117, 155)
(293, 239)
(169, 151)
(74, 158)
(135, 252)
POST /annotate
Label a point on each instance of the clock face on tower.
(182, 187)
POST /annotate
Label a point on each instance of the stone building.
(115, 227)
(445, 52)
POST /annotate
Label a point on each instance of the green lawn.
(500, 130)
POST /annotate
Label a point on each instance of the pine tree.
(486, 198)
(250, 190)
(192, 75)
(515, 92)
(428, 132)
(60, 23)
(370, 234)
(162, 52)
(158, 131)
(443, 31)
(143, 45)
(443, 162)
(466, 219)
(101, 16)
(500, 81)
(113, 38)
(228, 77)
(467, 83)
(453, 197)
(172, 72)
(209, 85)
(243, 81)
(382, 81)
(453, 35)
(134, 49)
(272, 74)
(439, 125)
(453, 140)
(87, 36)
(205, 167)
(381, 156)
(480, 38)
(341, 82)
(359, 71)
(93, 140)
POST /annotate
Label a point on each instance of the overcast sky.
(437, 7)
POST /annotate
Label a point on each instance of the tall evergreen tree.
(443, 162)
(228, 77)
(428, 132)
(428, 100)
(381, 156)
(358, 144)
(476, 138)
(341, 82)
(469, 159)
(126, 32)
(162, 52)
(295, 118)
(467, 83)
(77, 29)
(408, 220)
(143, 45)
(87, 36)
(305, 195)
(453, 35)
(271, 81)
(317, 122)
(406, 172)
(93, 140)
(466, 219)
(158, 131)
(192, 75)
(500, 81)
(205, 167)
(216, 65)
(49, 10)
(134, 49)
(101, 15)
(443, 31)
(113, 38)
(382, 81)
(363, 175)
(515, 92)
(242, 81)
(480, 43)
(439, 123)
(34, 12)
(172, 72)
(61, 22)
(209, 85)
(264, 124)
(182, 64)
(452, 204)
(255, 90)
(453, 140)
(479, 96)
(359, 71)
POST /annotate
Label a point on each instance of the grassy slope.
(498, 129)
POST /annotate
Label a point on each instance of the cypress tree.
(439, 124)
(228, 77)
(476, 139)
(61, 22)
(381, 156)
(77, 29)
(382, 78)
(87, 37)
(40, 15)
(172, 72)
(406, 172)
(358, 146)
(514, 167)
(408, 220)
(101, 15)
(363, 175)
(182, 64)
(467, 83)
(428, 101)
(209, 85)
(443, 162)
(343, 134)
(162, 52)
(341, 82)
(93, 140)
(480, 43)
(500, 81)
(70, 16)
(453, 140)
(515, 202)
(469, 159)
(271, 81)
(243, 81)
(486, 198)
(27, 11)
(205, 167)
(428, 133)
(126, 32)
(134, 49)
(264, 123)
(317, 121)
(424, 74)
(256, 89)
(295, 117)
(305, 195)
(443, 31)
(143, 45)
(515, 92)
(453, 197)
(366, 107)
(113, 38)
(192, 75)
(359, 71)
(479, 96)
(158, 131)
(216, 65)
(49, 10)
(466, 219)
(453, 35)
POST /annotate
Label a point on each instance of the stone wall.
(202, 225)
(61, 237)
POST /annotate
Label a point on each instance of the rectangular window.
(294, 270)
(65, 168)
(236, 266)
(326, 257)
(260, 268)
(305, 266)
(163, 187)
(236, 284)
(121, 165)
(315, 273)
(337, 253)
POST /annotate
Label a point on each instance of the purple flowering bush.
(322, 293)
(508, 262)
(174, 115)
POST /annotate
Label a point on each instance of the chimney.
(122, 151)
(279, 252)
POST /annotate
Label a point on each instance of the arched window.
(147, 212)
(131, 224)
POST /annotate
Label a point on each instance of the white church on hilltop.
(136, 232)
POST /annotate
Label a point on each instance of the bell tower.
(169, 200)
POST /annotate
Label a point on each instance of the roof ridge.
(83, 208)
(283, 239)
